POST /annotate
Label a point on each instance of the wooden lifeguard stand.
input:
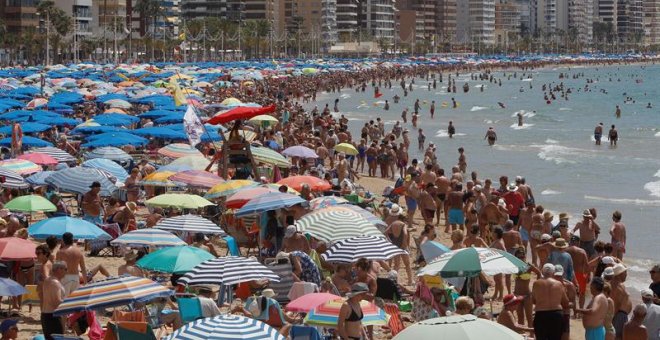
(236, 153)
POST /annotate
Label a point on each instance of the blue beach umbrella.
(114, 139)
(269, 201)
(9, 287)
(78, 180)
(96, 129)
(39, 178)
(110, 166)
(157, 114)
(160, 132)
(109, 152)
(56, 121)
(175, 118)
(26, 127)
(115, 119)
(27, 142)
(56, 226)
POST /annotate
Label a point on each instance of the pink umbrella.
(308, 302)
(197, 178)
(39, 158)
(16, 249)
(240, 198)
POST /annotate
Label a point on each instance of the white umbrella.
(458, 327)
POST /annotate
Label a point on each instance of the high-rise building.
(376, 17)
(445, 28)
(581, 20)
(81, 13)
(507, 22)
(630, 19)
(652, 22)
(552, 16)
(329, 21)
(475, 22)
(527, 16)
(347, 19)
(19, 14)
(108, 15)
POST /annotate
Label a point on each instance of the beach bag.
(422, 310)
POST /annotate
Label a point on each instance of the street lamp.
(47, 23)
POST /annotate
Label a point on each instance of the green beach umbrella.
(176, 260)
(30, 203)
(472, 261)
(458, 327)
(269, 156)
(182, 201)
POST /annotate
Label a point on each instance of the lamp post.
(47, 23)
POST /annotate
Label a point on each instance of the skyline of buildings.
(436, 25)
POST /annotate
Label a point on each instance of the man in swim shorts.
(598, 133)
(455, 206)
(580, 266)
(549, 299)
(593, 317)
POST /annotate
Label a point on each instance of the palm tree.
(150, 11)
(61, 22)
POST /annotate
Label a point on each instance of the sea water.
(554, 149)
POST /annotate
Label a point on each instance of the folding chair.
(232, 246)
(190, 309)
(396, 324)
(31, 297)
(304, 333)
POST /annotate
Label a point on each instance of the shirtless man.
(536, 232)
(322, 152)
(342, 167)
(587, 233)
(524, 189)
(613, 136)
(525, 222)
(622, 304)
(92, 206)
(507, 318)
(498, 243)
(442, 184)
(427, 203)
(473, 239)
(294, 240)
(428, 176)
(580, 266)
(489, 216)
(571, 294)
(618, 233)
(598, 133)
(53, 294)
(549, 300)
(455, 207)
(512, 241)
(635, 329)
(462, 160)
(75, 262)
(593, 318)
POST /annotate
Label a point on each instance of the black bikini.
(353, 317)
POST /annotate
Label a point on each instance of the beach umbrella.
(174, 260)
(334, 224)
(26, 127)
(56, 226)
(27, 141)
(269, 201)
(107, 165)
(78, 180)
(375, 220)
(39, 178)
(113, 119)
(37, 102)
(190, 224)
(240, 198)
(314, 183)
(16, 249)
(12, 180)
(326, 201)
(264, 120)
(20, 166)
(114, 139)
(369, 247)
(229, 188)
(246, 134)
(109, 152)
(182, 201)
(194, 162)
(39, 158)
(160, 179)
(458, 327)
(157, 114)
(56, 121)
(96, 129)
(178, 150)
(327, 314)
(300, 151)
(149, 237)
(30, 203)
(226, 327)
(240, 113)
(118, 103)
(9, 287)
(197, 178)
(431, 250)
(160, 132)
(228, 270)
(112, 292)
(346, 148)
(310, 301)
(230, 102)
(472, 261)
(269, 156)
(58, 154)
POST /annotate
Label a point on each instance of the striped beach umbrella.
(39, 158)
(226, 327)
(335, 224)
(269, 201)
(194, 162)
(472, 261)
(78, 180)
(326, 201)
(109, 152)
(229, 188)
(39, 178)
(181, 201)
(327, 314)
(314, 183)
(160, 179)
(12, 180)
(240, 198)
(111, 292)
(60, 155)
(379, 223)
(178, 150)
(107, 165)
(190, 224)
(20, 166)
(197, 178)
(150, 237)
(269, 156)
(369, 247)
(228, 270)
(56, 226)
(174, 260)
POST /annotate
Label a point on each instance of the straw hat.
(587, 214)
(395, 210)
(560, 243)
(548, 216)
(564, 216)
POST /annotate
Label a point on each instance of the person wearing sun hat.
(506, 317)
(622, 304)
(350, 313)
(588, 230)
(558, 255)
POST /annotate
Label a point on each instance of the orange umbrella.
(315, 183)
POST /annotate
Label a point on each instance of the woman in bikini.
(522, 281)
(350, 315)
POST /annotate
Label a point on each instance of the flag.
(193, 126)
(179, 97)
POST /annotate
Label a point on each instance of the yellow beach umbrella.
(346, 148)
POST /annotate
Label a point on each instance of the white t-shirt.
(209, 308)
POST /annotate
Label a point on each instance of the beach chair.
(395, 323)
(104, 248)
(190, 309)
(304, 333)
(248, 239)
(129, 330)
(136, 316)
(31, 297)
(232, 246)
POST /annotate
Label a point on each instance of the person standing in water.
(451, 130)
(613, 136)
(520, 118)
(618, 112)
(491, 135)
(432, 108)
(598, 133)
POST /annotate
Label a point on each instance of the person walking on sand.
(491, 135)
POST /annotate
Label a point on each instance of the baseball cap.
(559, 270)
(7, 324)
(647, 293)
(608, 272)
